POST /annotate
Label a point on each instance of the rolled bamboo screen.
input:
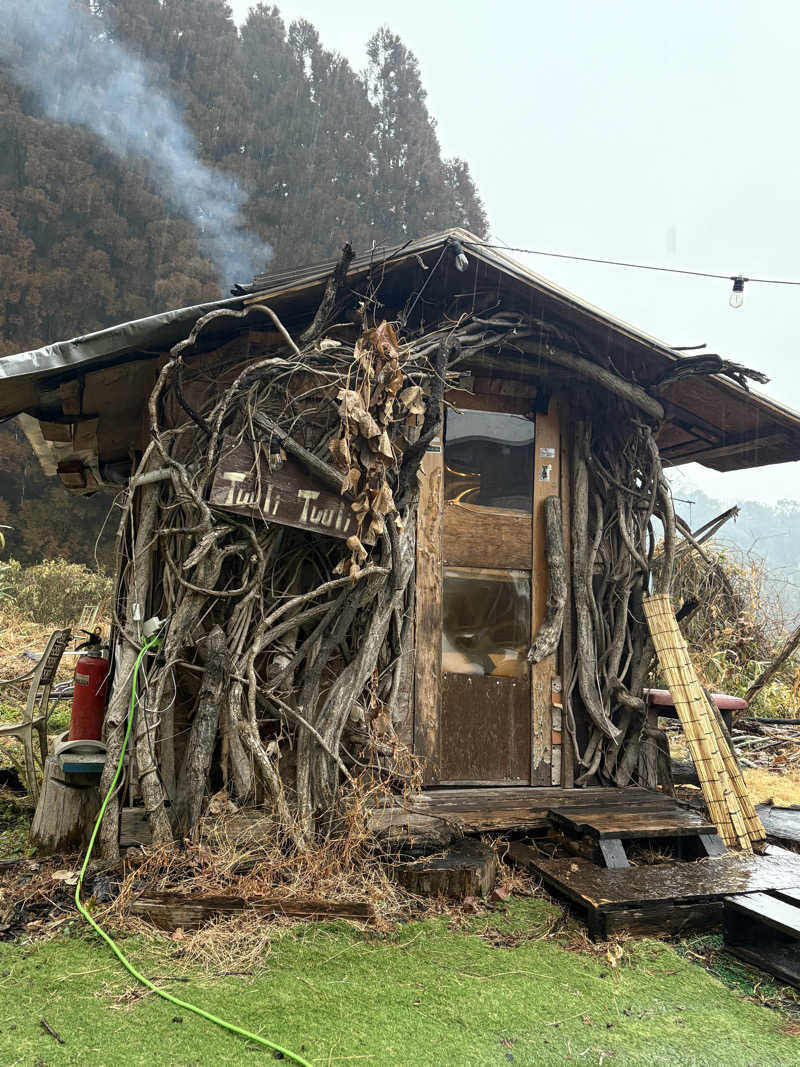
(720, 778)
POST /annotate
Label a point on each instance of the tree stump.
(67, 810)
(467, 869)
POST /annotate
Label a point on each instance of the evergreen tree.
(324, 155)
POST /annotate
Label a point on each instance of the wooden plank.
(428, 622)
(767, 909)
(750, 442)
(70, 393)
(712, 844)
(547, 459)
(638, 824)
(613, 853)
(765, 931)
(486, 397)
(169, 911)
(566, 652)
(289, 496)
(57, 432)
(479, 537)
(514, 807)
(485, 728)
(593, 886)
(643, 920)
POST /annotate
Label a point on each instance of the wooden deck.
(664, 898)
(512, 808)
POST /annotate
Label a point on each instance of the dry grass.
(18, 633)
(764, 785)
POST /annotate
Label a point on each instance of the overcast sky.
(659, 133)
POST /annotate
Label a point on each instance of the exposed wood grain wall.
(547, 482)
(428, 631)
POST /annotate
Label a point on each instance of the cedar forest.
(325, 154)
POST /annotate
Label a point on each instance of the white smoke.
(83, 77)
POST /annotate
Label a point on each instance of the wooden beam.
(428, 633)
(546, 482)
(733, 448)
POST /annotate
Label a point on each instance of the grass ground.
(494, 990)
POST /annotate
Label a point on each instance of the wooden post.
(66, 811)
(546, 482)
(567, 650)
(428, 636)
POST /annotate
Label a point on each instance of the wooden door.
(481, 718)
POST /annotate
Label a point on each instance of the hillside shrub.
(55, 592)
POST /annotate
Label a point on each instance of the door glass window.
(486, 622)
(489, 460)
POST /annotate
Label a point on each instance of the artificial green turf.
(428, 996)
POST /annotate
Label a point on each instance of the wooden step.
(764, 929)
(626, 825)
(663, 898)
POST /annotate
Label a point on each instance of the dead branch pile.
(302, 641)
(618, 489)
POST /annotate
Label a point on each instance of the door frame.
(548, 765)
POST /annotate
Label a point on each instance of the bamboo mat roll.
(720, 779)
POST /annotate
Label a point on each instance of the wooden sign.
(289, 496)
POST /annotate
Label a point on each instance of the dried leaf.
(382, 501)
(351, 480)
(355, 546)
(376, 528)
(67, 877)
(360, 506)
(385, 450)
(412, 400)
(351, 407)
(386, 339)
(368, 426)
(339, 449)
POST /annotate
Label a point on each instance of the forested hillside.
(89, 236)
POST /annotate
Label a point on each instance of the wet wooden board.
(783, 823)
(765, 930)
(669, 898)
(519, 807)
(643, 822)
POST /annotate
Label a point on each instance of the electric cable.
(150, 644)
(624, 263)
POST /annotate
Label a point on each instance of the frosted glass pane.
(486, 622)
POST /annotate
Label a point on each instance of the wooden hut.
(335, 492)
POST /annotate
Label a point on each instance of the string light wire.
(623, 263)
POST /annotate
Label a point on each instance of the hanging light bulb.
(461, 257)
(737, 295)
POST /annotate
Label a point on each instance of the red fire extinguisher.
(89, 692)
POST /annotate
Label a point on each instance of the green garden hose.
(148, 645)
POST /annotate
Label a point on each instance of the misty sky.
(659, 133)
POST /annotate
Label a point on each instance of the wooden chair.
(37, 708)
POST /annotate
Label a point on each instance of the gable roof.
(710, 420)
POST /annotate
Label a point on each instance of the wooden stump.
(67, 810)
(467, 869)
